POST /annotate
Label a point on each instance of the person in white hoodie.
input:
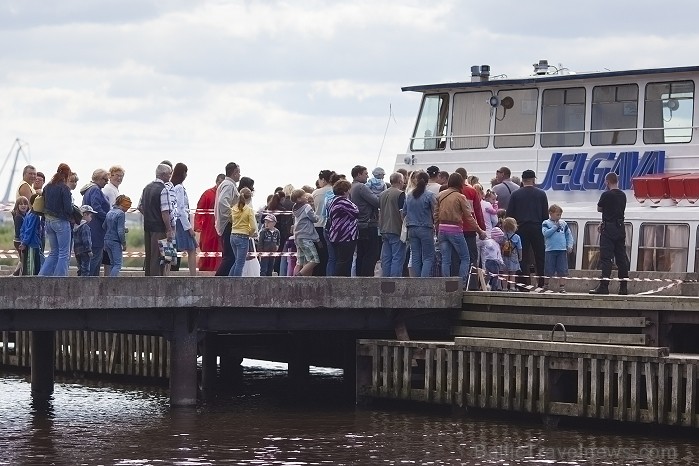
(305, 234)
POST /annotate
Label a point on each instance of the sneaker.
(562, 290)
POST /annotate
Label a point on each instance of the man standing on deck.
(529, 205)
(368, 222)
(612, 240)
(156, 206)
(505, 186)
(226, 197)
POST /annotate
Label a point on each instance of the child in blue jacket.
(559, 243)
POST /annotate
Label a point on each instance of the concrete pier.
(42, 361)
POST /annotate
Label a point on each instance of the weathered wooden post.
(42, 363)
(183, 360)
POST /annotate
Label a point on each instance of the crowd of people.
(419, 224)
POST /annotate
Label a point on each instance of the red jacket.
(475, 200)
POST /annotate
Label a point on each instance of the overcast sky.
(283, 88)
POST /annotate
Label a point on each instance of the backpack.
(507, 247)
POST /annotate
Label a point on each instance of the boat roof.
(529, 80)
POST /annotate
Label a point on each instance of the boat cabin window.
(471, 118)
(573, 231)
(515, 118)
(563, 117)
(663, 247)
(669, 111)
(590, 259)
(614, 108)
(431, 129)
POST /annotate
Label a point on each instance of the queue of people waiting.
(420, 224)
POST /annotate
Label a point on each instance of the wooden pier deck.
(621, 383)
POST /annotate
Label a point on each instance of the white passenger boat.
(572, 129)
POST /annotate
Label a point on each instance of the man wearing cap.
(529, 205)
(504, 187)
(82, 241)
(433, 185)
(268, 242)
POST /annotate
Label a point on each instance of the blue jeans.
(266, 266)
(96, 261)
(58, 233)
(392, 255)
(493, 269)
(115, 253)
(240, 245)
(83, 261)
(422, 249)
(449, 242)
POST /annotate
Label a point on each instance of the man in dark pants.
(368, 222)
(226, 197)
(612, 240)
(529, 205)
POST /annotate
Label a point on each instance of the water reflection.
(260, 422)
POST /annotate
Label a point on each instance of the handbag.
(252, 264)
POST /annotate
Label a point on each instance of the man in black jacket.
(529, 205)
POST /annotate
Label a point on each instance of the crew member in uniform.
(612, 241)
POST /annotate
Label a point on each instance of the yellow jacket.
(243, 221)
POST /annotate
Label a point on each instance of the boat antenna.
(390, 116)
(19, 145)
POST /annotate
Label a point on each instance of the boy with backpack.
(511, 250)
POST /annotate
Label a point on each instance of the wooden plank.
(483, 397)
(440, 381)
(531, 370)
(608, 374)
(383, 387)
(635, 395)
(675, 402)
(562, 347)
(460, 379)
(429, 373)
(139, 355)
(397, 371)
(519, 382)
(582, 387)
(112, 348)
(690, 396)
(622, 393)
(407, 372)
(545, 335)
(543, 385)
(651, 387)
(662, 384)
(595, 385)
(375, 369)
(495, 383)
(472, 376)
(451, 375)
(507, 389)
(552, 319)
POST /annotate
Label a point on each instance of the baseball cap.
(528, 174)
(433, 170)
(87, 208)
(271, 218)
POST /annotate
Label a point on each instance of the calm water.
(262, 422)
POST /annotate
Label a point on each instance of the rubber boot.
(623, 287)
(602, 288)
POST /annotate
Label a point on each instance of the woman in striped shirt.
(342, 227)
